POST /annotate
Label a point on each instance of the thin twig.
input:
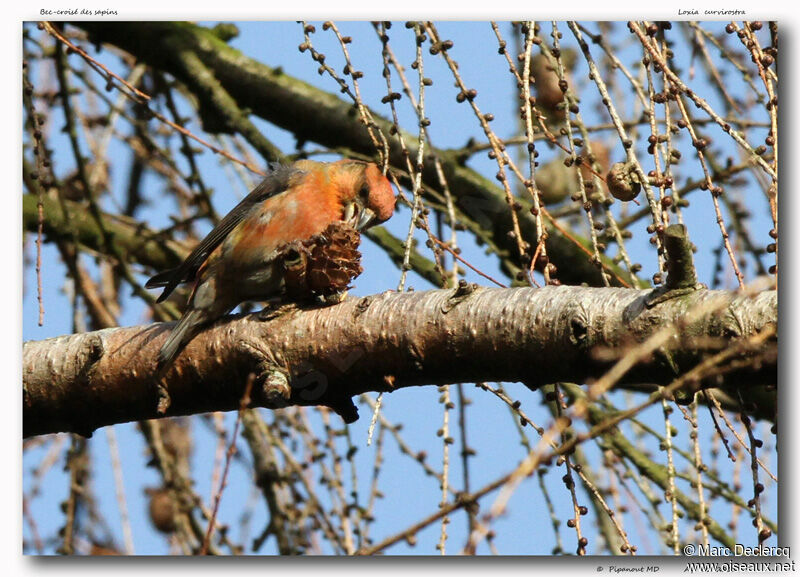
(228, 459)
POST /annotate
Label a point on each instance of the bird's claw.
(334, 298)
(272, 311)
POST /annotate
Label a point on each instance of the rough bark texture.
(324, 356)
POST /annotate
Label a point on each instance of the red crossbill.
(241, 259)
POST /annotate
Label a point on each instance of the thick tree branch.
(325, 356)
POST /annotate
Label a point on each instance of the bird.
(298, 210)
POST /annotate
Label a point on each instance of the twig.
(228, 459)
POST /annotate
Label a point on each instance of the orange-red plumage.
(242, 258)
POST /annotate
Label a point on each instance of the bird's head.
(367, 195)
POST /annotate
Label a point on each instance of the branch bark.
(324, 356)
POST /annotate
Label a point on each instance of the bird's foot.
(274, 310)
(334, 299)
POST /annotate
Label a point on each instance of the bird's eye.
(364, 192)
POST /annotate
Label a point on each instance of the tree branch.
(131, 238)
(324, 356)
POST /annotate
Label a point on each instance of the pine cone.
(324, 264)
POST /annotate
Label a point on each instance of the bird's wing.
(275, 183)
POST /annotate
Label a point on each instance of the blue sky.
(493, 433)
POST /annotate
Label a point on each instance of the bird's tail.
(160, 279)
(184, 331)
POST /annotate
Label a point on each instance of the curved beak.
(357, 216)
(364, 219)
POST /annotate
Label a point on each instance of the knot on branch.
(281, 386)
(681, 275)
(275, 389)
(579, 326)
(680, 262)
(461, 293)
